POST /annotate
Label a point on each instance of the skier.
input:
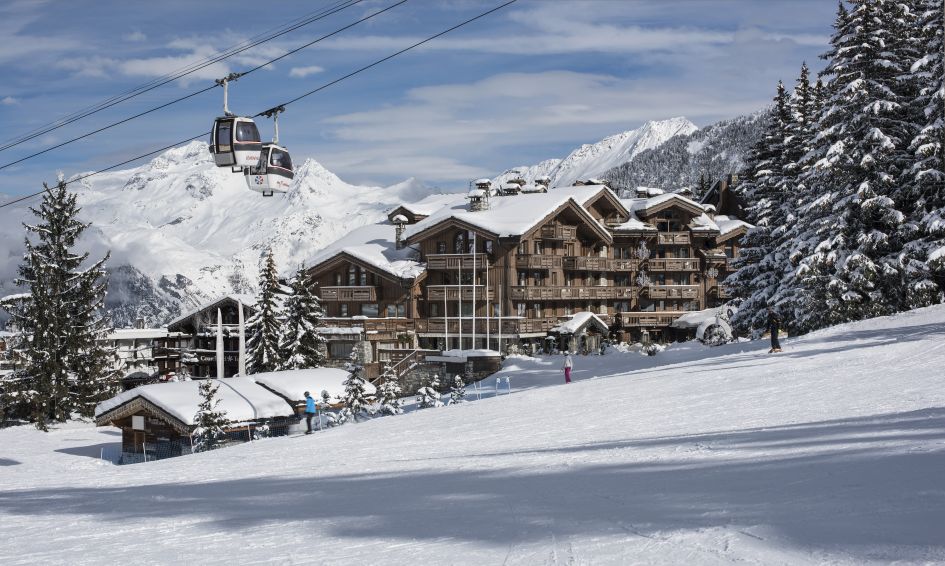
(309, 411)
(774, 325)
(568, 364)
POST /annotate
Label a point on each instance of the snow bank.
(293, 384)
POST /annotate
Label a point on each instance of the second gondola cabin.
(274, 172)
(235, 142)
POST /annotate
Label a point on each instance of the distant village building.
(190, 346)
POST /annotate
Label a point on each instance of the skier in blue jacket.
(310, 410)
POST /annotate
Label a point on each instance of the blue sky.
(527, 83)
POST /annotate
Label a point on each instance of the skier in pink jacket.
(568, 364)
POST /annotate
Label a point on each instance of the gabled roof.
(427, 205)
(247, 300)
(373, 245)
(729, 227)
(579, 323)
(241, 397)
(655, 204)
(510, 216)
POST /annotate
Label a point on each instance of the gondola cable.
(87, 175)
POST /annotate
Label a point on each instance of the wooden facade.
(483, 289)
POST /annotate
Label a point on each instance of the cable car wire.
(193, 94)
(180, 73)
(324, 86)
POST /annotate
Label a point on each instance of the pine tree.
(300, 345)
(757, 274)
(458, 391)
(210, 421)
(356, 403)
(428, 396)
(59, 319)
(263, 327)
(390, 394)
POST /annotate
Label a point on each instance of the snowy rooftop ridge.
(246, 300)
(373, 244)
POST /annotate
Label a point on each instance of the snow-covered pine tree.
(928, 145)
(853, 221)
(210, 420)
(356, 402)
(757, 276)
(263, 327)
(428, 396)
(300, 345)
(59, 318)
(458, 391)
(389, 394)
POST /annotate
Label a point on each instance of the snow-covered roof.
(373, 244)
(512, 216)
(246, 300)
(430, 204)
(727, 224)
(136, 333)
(650, 191)
(475, 193)
(400, 218)
(661, 198)
(242, 398)
(482, 181)
(578, 322)
(293, 384)
(703, 223)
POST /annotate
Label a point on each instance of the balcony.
(558, 232)
(458, 292)
(571, 293)
(510, 326)
(538, 261)
(453, 262)
(373, 326)
(720, 292)
(673, 238)
(668, 264)
(593, 263)
(637, 319)
(360, 293)
(672, 291)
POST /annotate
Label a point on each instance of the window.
(391, 311)
(568, 309)
(522, 248)
(223, 135)
(522, 278)
(340, 350)
(539, 247)
(441, 247)
(247, 132)
(539, 280)
(602, 309)
(520, 309)
(569, 249)
(402, 310)
(568, 280)
(337, 279)
(369, 310)
(471, 242)
(591, 280)
(602, 280)
(488, 247)
(434, 309)
(279, 158)
(536, 310)
(603, 251)
(647, 305)
(352, 276)
(554, 278)
(459, 243)
(496, 309)
(730, 251)
(363, 277)
(621, 306)
(344, 309)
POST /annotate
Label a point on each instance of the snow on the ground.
(832, 451)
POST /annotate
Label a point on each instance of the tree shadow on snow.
(854, 495)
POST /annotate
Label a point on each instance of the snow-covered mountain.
(182, 230)
(593, 160)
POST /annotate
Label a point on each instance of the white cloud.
(302, 72)
(9, 101)
(136, 35)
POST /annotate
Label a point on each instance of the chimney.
(400, 222)
(478, 200)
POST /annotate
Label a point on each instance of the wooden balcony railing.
(671, 264)
(672, 291)
(372, 325)
(673, 238)
(439, 262)
(538, 261)
(571, 293)
(457, 292)
(335, 294)
(510, 326)
(635, 319)
(558, 232)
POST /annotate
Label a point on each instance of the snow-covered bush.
(458, 391)
(389, 394)
(210, 420)
(428, 395)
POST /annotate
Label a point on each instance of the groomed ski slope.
(833, 451)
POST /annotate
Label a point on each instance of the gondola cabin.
(235, 142)
(274, 172)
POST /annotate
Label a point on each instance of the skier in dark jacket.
(774, 326)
